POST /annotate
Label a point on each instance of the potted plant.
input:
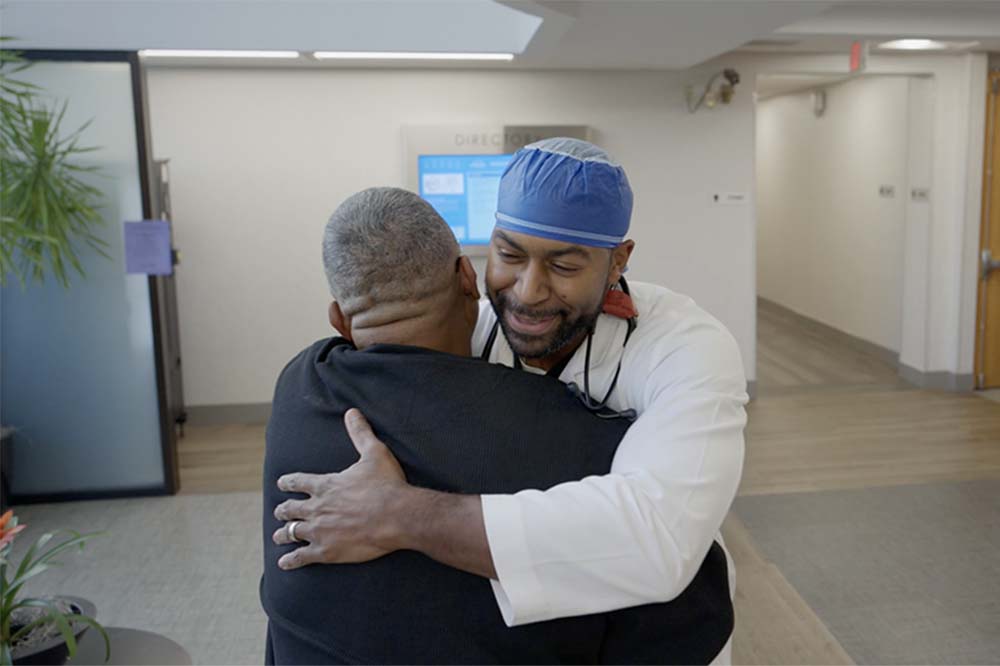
(40, 630)
(45, 204)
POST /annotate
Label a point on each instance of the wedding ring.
(291, 530)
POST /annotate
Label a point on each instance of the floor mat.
(907, 574)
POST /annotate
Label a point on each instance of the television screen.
(463, 190)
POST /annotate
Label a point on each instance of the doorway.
(988, 311)
(838, 161)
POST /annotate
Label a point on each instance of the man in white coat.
(556, 292)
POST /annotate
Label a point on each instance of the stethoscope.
(601, 408)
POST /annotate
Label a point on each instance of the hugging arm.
(369, 510)
(635, 536)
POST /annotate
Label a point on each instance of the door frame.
(992, 135)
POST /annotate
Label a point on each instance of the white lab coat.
(639, 534)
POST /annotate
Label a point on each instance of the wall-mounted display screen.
(463, 190)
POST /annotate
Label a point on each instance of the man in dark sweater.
(406, 304)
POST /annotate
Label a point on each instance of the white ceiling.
(948, 19)
(300, 25)
(835, 29)
(639, 34)
(587, 34)
(773, 85)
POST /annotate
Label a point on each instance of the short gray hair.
(387, 244)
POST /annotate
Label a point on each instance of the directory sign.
(463, 190)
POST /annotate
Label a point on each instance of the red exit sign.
(859, 57)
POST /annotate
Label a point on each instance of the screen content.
(463, 190)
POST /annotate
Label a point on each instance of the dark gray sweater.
(460, 425)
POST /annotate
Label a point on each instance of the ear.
(468, 278)
(340, 321)
(619, 260)
(470, 291)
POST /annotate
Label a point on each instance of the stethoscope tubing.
(601, 408)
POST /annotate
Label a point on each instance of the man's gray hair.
(387, 244)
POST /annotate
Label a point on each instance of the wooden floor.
(862, 438)
(794, 353)
(827, 416)
(221, 458)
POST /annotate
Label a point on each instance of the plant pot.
(54, 650)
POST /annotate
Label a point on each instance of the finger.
(361, 433)
(301, 482)
(283, 536)
(293, 510)
(301, 557)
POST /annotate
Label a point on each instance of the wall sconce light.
(709, 98)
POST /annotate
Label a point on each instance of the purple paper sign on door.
(147, 248)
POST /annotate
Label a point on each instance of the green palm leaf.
(48, 211)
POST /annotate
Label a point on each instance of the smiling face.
(547, 294)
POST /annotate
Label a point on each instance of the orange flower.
(7, 533)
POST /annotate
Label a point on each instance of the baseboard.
(938, 381)
(935, 381)
(81, 495)
(247, 413)
(852, 341)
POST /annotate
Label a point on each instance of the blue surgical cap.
(567, 190)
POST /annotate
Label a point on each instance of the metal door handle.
(989, 264)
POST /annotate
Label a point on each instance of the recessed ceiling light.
(215, 53)
(408, 55)
(925, 45)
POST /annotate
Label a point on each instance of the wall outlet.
(887, 191)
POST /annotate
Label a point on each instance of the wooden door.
(988, 318)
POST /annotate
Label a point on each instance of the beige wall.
(829, 246)
(259, 159)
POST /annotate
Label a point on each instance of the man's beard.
(537, 346)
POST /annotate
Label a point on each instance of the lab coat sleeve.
(639, 534)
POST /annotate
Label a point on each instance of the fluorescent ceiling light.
(925, 45)
(408, 55)
(214, 53)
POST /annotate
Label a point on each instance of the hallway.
(866, 525)
(795, 353)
